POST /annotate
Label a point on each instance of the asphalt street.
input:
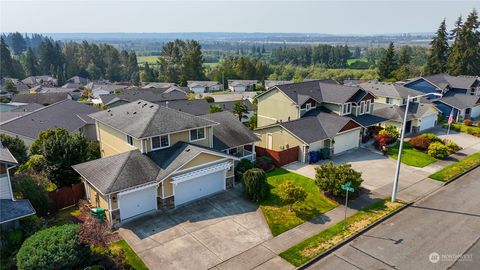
(441, 231)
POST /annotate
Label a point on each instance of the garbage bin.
(325, 153)
(313, 157)
(98, 213)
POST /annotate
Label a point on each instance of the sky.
(156, 16)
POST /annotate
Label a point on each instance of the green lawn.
(448, 173)
(130, 256)
(150, 59)
(315, 245)
(411, 156)
(276, 213)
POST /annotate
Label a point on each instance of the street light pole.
(400, 148)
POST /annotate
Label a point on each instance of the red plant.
(382, 140)
(468, 122)
(92, 232)
(420, 142)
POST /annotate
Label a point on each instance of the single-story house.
(77, 80)
(242, 85)
(271, 83)
(113, 100)
(11, 209)
(33, 81)
(68, 114)
(204, 86)
(17, 110)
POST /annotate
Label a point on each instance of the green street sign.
(347, 187)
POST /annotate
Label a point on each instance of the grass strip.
(450, 172)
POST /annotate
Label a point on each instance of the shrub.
(31, 186)
(265, 163)
(374, 130)
(36, 163)
(420, 142)
(432, 137)
(243, 166)
(31, 225)
(437, 150)
(478, 124)
(255, 185)
(452, 147)
(209, 99)
(291, 193)
(53, 248)
(392, 132)
(468, 122)
(329, 178)
(92, 232)
(383, 139)
(16, 146)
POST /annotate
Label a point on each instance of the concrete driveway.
(377, 170)
(199, 235)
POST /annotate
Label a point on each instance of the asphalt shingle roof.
(393, 90)
(67, 114)
(194, 107)
(319, 91)
(460, 101)
(6, 156)
(229, 105)
(119, 172)
(230, 132)
(12, 210)
(142, 119)
(40, 98)
(147, 94)
(396, 113)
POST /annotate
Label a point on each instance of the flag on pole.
(450, 118)
(450, 121)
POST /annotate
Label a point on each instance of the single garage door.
(428, 122)
(346, 141)
(137, 202)
(198, 187)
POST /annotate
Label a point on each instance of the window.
(367, 106)
(197, 134)
(160, 142)
(388, 100)
(347, 108)
(308, 106)
(362, 107)
(404, 101)
(129, 140)
(232, 151)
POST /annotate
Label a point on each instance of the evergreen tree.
(456, 29)
(133, 67)
(439, 50)
(31, 63)
(388, 63)
(405, 55)
(465, 56)
(19, 44)
(6, 62)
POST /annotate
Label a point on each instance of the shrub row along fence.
(279, 158)
(66, 196)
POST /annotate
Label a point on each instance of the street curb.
(353, 237)
(458, 176)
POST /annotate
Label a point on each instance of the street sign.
(348, 188)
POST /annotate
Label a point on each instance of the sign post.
(348, 188)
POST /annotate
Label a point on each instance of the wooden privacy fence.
(279, 158)
(66, 196)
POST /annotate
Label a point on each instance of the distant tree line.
(65, 60)
(325, 55)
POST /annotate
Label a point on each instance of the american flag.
(450, 118)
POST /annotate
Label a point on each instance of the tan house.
(391, 103)
(313, 115)
(154, 157)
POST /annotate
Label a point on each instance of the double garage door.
(346, 141)
(144, 200)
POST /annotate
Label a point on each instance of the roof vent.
(188, 150)
(109, 110)
(134, 112)
(151, 106)
(139, 102)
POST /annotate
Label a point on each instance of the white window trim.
(367, 104)
(362, 108)
(387, 99)
(128, 136)
(161, 147)
(190, 135)
(201, 172)
(308, 106)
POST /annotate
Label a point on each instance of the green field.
(351, 61)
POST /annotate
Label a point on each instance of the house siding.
(281, 139)
(101, 202)
(114, 142)
(202, 158)
(275, 106)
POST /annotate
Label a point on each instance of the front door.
(408, 127)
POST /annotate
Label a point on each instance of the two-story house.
(155, 157)
(313, 115)
(461, 94)
(11, 209)
(391, 102)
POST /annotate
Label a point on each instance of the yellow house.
(313, 115)
(154, 157)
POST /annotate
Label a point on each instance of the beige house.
(154, 157)
(391, 103)
(313, 115)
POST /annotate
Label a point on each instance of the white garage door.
(137, 202)
(199, 187)
(475, 112)
(346, 141)
(428, 122)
